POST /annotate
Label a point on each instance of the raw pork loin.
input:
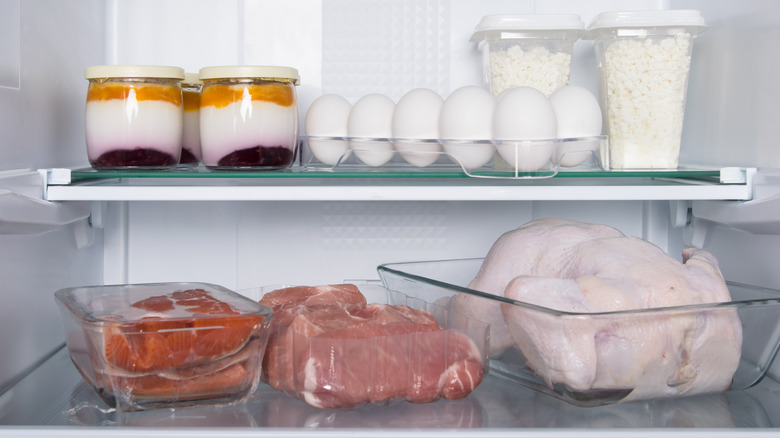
(584, 268)
(331, 349)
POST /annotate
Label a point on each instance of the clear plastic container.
(190, 141)
(610, 335)
(248, 117)
(644, 59)
(499, 159)
(162, 345)
(134, 116)
(527, 50)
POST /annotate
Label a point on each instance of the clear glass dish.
(162, 345)
(758, 310)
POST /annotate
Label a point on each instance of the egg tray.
(502, 159)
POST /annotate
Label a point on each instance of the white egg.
(416, 116)
(369, 119)
(578, 115)
(467, 114)
(523, 117)
(327, 117)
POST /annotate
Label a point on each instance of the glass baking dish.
(164, 345)
(757, 310)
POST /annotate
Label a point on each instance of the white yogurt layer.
(128, 124)
(240, 125)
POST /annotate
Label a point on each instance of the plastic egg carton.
(508, 159)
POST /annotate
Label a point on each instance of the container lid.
(192, 79)
(133, 71)
(657, 18)
(494, 25)
(266, 72)
(127, 303)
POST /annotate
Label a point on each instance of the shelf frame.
(733, 184)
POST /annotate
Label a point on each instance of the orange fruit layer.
(220, 96)
(191, 100)
(113, 90)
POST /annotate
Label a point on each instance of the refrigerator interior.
(352, 48)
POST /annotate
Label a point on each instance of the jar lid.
(494, 25)
(689, 18)
(192, 79)
(133, 71)
(266, 72)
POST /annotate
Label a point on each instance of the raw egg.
(416, 117)
(578, 116)
(467, 114)
(327, 118)
(370, 126)
(524, 122)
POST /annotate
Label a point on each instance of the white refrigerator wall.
(44, 47)
(356, 47)
(350, 47)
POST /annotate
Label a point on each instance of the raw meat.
(538, 248)
(183, 346)
(583, 268)
(331, 349)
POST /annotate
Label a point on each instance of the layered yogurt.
(248, 117)
(134, 116)
(190, 140)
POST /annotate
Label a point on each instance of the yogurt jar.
(134, 116)
(190, 141)
(533, 50)
(644, 59)
(248, 117)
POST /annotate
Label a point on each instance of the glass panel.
(201, 172)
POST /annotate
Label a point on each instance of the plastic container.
(354, 354)
(527, 50)
(190, 141)
(248, 117)
(757, 309)
(134, 116)
(517, 159)
(644, 59)
(148, 346)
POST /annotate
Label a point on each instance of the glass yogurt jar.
(248, 117)
(190, 141)
(133, 116)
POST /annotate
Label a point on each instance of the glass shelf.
(712, 174)
(393, 184)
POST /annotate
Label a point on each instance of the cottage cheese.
(536, 67)
(645, 82)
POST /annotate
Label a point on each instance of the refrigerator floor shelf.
(55, 401)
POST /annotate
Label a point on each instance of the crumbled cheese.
(537, 67)
(646, 82)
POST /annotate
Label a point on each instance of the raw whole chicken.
(583, 268)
